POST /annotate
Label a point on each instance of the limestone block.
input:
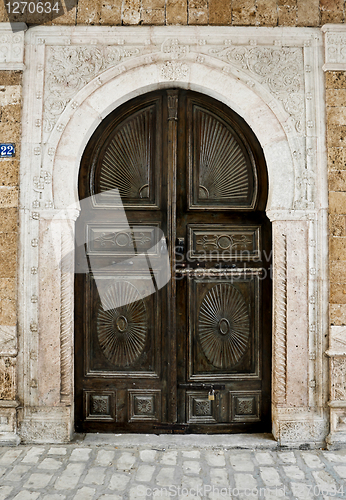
(266, 13)
(337, 202)
(244, 12)
(335, 80)
(8, 221)
(336, 136)
(337, 225)
(89, 12)
(338, 378)
(338, 292)
(336, 116)
(337, 180)
(337, 339)
(7, 419)
(11, 78)
(9, 171)
(220, 12)
(176, 12)
(69, 16)
(153, 4)
(308, 13)
(131, 11)
(336, 97)
(337, 314)
(45, 425)
(337, 248)
(337, 271)
(8, 197)
(8, 255)
(153, 16)
(337, 158)
(8, 311)
(332, 11)
(198, 16)
(287, 12)
(110, 12)
(7, 378)
(8, 340)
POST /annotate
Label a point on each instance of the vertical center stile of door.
(172, 99)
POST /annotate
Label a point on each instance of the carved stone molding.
(8, 340)
(335, 47)
(11, 47)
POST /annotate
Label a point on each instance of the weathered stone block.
(7, 378)
(10, 132)
(336, 97)
(337, 247)
(338, 271)
(337, 293)
(337, 314)
(8, 312)
(9, 170)
(332, 11)
(68, 18)
(244, 12)
(337, 180)
(266, 13)
(153, 17)
(153, 4)
(337, 225)
(176, 12)
(89, 12)
(8, 197)
(331, 17)
(336, 116)
(131, 11)
(337, 158)
(7, 288)
(198, 16)
(287, 12)
(10, 113)
(220, 12)
(308, 13)
(110, 13)
(336, 136)
(337, 202)
(335, 80)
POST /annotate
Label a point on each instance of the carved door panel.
(193, 355)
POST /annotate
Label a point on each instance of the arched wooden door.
(194, 355)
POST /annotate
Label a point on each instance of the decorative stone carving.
(303, 432)
(172, 70)
(174, 49)
(8, 340)
(338, 374)
(11, 47)
(335, 48)
(279, 69)
(280, 325)
(69, 69)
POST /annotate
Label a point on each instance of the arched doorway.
(194, 355)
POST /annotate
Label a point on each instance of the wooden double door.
(173, 332)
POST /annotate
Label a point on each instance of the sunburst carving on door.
(223, 169)
(122, 329)
(126, 160)
(224, 326)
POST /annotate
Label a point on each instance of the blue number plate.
(6, 150)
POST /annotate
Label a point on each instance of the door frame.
(298, 209)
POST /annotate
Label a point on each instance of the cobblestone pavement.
(106, 472)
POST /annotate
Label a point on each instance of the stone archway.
(58, 123)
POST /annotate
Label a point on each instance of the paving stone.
(37, 481)
(147, 455)
(136, 493)
(341, 470)
(337, 456)
(264, 458)
(242, 462)
(84, 494)
(302, 491)
(245, 481)
(17, 473)
(312, 460)
(191, 454)
(270, 476)
(80, 455)
(191, 482)
(96, 475)
(118, 482)
(50, 464)
(169, 458)
(33, 455)
(5, 491)
(191, 467)
(10, 456)
(69, 477)
(2, 471)
(165, 476)
(293, 472)
(145, 473)
(325, 481)
(54, 497)
(57, 451)
(219, 477)
(104, 457)
(109, 497)
(216, 459)
(126, 461)
(27, 495)
(287, 457)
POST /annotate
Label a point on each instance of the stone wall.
(201, 12)
(10, 130)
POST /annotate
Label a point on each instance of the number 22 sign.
(7, 150)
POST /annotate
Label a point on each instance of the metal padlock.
(211, 395)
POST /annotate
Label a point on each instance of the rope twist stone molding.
(280, 305)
